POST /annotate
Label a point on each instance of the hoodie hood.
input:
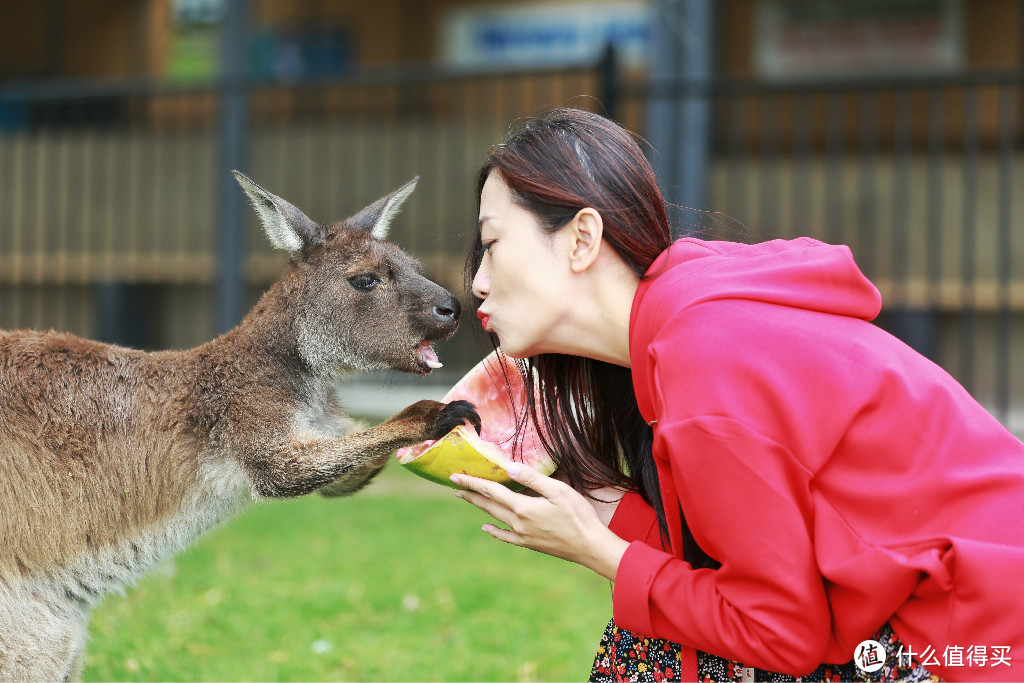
(801, 273)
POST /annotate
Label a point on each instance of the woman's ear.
(586, 230)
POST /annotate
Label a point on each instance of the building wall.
(119, 37)
(83, 38)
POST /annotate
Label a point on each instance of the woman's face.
(522, 281)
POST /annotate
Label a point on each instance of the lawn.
(397, 583)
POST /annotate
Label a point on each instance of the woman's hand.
(558, 522)
(604, 500)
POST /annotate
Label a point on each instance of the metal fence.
(112, 196)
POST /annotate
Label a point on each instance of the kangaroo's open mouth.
(427, 356)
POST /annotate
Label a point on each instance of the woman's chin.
(508, 347)
(513, 350)
(521, 345)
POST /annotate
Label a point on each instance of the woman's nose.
(481, 283)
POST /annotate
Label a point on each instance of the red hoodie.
(841, 479)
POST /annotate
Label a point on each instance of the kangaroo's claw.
(455, 414)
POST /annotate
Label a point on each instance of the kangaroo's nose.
(448, 311)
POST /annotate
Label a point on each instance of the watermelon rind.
(461, 451)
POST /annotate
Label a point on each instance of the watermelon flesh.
(499, 398)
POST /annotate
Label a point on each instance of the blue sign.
(546, 34)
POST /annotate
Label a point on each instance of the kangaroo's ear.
(286, 226)
(376, 218)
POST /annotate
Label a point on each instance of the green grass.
(397, 583)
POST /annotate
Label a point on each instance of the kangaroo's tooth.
(429, 356)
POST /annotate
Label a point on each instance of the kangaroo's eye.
(364, 282)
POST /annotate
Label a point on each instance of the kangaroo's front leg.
(300, 466)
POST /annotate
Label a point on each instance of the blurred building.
(892, 125)
(295, 38)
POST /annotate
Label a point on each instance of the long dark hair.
(554, 165)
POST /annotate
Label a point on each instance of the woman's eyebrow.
(482, 220)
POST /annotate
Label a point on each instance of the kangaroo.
(112, 459)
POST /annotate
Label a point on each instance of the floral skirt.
(623, 656)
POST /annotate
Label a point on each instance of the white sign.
(527, 35)
(186, 12)
(857, 37)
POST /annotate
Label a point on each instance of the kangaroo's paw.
(432, 419)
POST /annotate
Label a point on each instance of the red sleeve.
(766, 604)
(635, 520)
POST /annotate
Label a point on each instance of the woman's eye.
(484, 248)
(364, 282)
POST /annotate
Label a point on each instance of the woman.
(796, 480)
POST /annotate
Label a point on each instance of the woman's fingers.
(560, 522)
(488, 489)
(532, 479)
(506, 535)
(488, 505)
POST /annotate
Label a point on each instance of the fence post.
(234, 120)
(607, 70)
(679, 124)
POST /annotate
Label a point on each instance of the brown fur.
(111, 458)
